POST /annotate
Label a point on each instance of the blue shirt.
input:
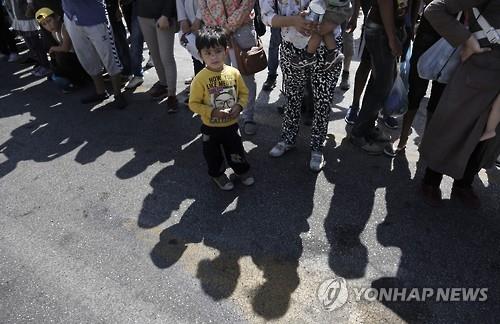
(85, 12)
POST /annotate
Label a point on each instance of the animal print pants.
(323, 86)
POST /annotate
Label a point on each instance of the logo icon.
(333, 293)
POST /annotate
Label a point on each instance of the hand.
(163, 23)
(471, 47)
(351, 24)
(196, 25)
(235, 111)
(30, 10)
(396, 47)
(303, 26)
(185, 27)
(216, 114)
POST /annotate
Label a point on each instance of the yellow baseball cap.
(43, 13)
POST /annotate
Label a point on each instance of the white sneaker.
(150, 63)
(280, 148)
(134, 82)
(13, 57)
(317, 161)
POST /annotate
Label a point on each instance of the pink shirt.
(230, 14)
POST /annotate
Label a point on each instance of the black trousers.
(473, 167)
(220, 143)
(426, 37)
(7, 40)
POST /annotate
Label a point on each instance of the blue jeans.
(383, 65)
(136, 43)
(274, 46)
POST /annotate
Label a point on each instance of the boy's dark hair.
(210, 37)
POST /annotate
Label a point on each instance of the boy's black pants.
(220, 142)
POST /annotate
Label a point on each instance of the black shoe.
(119, 102)
(352, 115)
(95, 98)
(372, 148)
(332, 57)
(270, 83)
(466, 196)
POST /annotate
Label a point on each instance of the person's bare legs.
(493, 121)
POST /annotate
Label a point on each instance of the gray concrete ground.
(109, 217)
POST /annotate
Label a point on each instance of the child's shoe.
(332, 57)
(223, 182)
(304, 59)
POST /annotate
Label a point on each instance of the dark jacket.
(461, 115)
(156, 8)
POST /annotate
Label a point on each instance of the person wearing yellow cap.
(67, 70)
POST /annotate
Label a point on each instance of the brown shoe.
(431, 195)
(158, 91)
(467, 197)
(172, 104)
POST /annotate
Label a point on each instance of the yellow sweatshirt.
(217, 90)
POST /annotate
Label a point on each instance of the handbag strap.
(492, 34)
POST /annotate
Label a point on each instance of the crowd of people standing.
(84, 38)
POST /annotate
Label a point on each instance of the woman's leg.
(493, 120)
(148, 28)
(166, 40)
(293, 83)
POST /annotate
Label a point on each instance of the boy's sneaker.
(391, 122)
(344, 83)
(41, 71)
(134, 82)
(317, 161)
(246, 179)
(280, 148)
(304, 59)
(332, 57)
(223, 182)
(369, 147)
(352, 115)
(498, 162)
(150, 63)
(94, 98)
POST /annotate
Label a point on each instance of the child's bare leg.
(327, 29)
(493, 121)
(313, 43)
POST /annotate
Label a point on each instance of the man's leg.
(272, 60)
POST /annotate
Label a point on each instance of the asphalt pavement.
(108, 216)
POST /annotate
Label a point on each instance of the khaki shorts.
(338, 15)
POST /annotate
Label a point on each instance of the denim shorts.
(338, 14)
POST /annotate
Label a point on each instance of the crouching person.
(218, 95)
(67, 70)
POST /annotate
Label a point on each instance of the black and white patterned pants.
(323, 86)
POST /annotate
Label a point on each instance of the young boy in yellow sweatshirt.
(219, 94)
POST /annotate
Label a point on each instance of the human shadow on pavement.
(263, 222)
(356, 177)
(446, 248)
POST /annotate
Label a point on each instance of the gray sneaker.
(369, 147)
(223, 182)
(317, 161)
(280, 148)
